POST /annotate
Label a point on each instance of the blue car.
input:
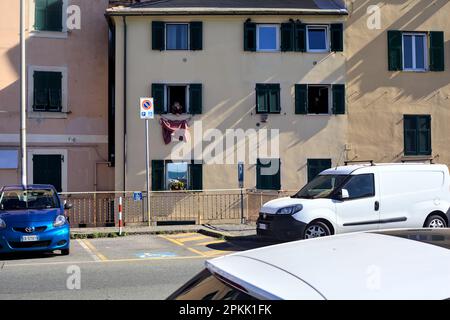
(32, 218)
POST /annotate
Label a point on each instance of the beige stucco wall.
(84, 54)
(228, 75)
(377, 98)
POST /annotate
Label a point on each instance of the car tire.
(65, 252)
(317, 229)
(436, 222)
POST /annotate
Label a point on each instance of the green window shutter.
(158, 93)
(40, 91)
(287, 36)
(55, 91)
(196, 173)
(395, 48)
(262, 101)
(437, 51)
(268, 182)
(249, 36)
(339, 99)
(274, 98)
(316, 166)
(300, 37)
(54, 15)
(158, 175)
(195, 98)
(158, 35)
(40, 14)
(337, 37)
(424, 135)
(301, 99)
(410, 135)
(196, 31)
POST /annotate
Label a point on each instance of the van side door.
(359, 209)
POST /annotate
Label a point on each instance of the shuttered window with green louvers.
(48, 15)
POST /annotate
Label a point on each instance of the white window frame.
(166, 96)
(48, 34)
(278, 37)
(64, 164)
(64, 94)
(188, 35)
(330, 100)
(327, 38)
(414, 57)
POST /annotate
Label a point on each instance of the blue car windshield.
(11, 200)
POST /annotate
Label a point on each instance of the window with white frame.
(268, 37)
(317, 39)
(177, 36)
(415, 52)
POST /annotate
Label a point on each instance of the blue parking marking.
(146, 255)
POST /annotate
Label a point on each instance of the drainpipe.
(124, 18)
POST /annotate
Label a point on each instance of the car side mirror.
(344, 194)
(68, 206)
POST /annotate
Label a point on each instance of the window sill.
(417, 158)
(49, 34)
(47, 115)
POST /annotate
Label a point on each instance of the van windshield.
(321, 187)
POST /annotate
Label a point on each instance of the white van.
(359, 198)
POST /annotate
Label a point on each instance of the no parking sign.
(147, 108)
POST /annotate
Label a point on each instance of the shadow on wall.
(9, 95)
(364, 72)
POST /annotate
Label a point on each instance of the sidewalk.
(225, 231)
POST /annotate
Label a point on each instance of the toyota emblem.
(29, 229)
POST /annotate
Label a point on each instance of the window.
(317, 38)
(417, 135)
(320, 99)
(361, 186)
(48, 15)
(177, 36)
(9, 159)
(173, 176)
(268, 98)
(316, 166)
(418, 51)
(47, 91)
(268, 174)
(268, 37)
(414, 52)
(177, 98)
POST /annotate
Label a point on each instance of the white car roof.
(368, 168)
(352, 266)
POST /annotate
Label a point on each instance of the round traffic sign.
(146, 104)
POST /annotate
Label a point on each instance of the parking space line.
(182, 245)
(94, 250)
(182, 235)
(86, 248)
(210, 242)
(191, 239)
(216, 253)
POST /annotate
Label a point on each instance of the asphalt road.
(135, 267)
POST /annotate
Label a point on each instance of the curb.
(224, 235)
(115, 234)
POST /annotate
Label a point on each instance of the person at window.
(176, 108)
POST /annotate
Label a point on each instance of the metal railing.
(100, 209)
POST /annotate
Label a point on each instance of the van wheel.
(316, 230)
(435, 222)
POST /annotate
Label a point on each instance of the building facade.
(398, 87)
(249, 67)
(67, 94)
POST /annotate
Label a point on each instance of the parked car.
(379, 265)
(360, 198)
(32, 218)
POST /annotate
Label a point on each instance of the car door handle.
(377, 206)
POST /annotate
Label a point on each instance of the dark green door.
(47, 170)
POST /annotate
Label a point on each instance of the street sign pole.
(147, 167)
(241, 186)
(23, 110)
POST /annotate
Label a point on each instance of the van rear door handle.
(377, 206)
